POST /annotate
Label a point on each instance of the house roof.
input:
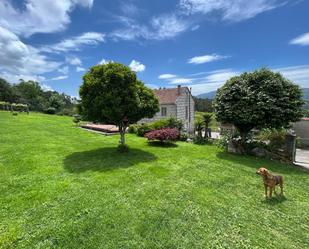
(168, 95)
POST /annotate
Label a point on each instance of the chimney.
(179, 86)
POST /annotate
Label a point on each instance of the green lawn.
(63, 187)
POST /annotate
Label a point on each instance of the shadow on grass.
(275, 200)
(105, 159)
(255, 163)
(162, 144)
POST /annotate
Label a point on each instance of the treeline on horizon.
(203, 105)
(30, 93)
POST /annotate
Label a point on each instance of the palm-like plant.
(199, 125)
(206, 119)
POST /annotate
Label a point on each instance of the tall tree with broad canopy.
(261, 99)
(111, 93)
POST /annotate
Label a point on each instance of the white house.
(177, 102)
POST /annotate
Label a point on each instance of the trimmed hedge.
(13, 107)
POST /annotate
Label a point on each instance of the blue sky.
(197, 43)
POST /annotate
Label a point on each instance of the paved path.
(302, 158)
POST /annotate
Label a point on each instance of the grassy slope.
(64, 187)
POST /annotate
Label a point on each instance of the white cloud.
(166, 76)
(19, 58)
(136, 66)
(230, 10)
(47, 88)
(14, 78)
(62, 77)
(180, 81)
(73, 60)
(38, 16)
(301, 40)
(63, 70)
(297, 74)
(161, 27)
(75, 43)
(206, 58)
(103, 62)
(80, 69)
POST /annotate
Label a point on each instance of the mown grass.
(63, 187)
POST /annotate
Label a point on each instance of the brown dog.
(270, 181)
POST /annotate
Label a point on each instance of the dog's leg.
(270, 192)
(265, 191)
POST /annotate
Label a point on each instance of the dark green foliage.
(77, 118)
(202, 105)
(112, 94)
(274, 138)
(50, 110)
(31, 94)
(261, 99)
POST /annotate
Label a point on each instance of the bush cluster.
(13, 107)
(50, 110)
(142, 129)
(163, 135)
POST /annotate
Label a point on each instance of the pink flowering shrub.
(167, 134)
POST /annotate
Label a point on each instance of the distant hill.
(211, 95)
(306, 93)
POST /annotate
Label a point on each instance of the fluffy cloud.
(206, 58)
(38, 16)
(75, 61)
(80, 69)
(46, 88)
(19, 58)
(230, 10)
(180, 81)
(297, 74)
(62, 77)
(167, 76)
(301, 40)
(63, 70)
(160, 27)
(136, 66)
(75, 43)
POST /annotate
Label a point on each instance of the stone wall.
(185, 99)
(170, 112)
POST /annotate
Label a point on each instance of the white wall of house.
(185, 109)
(170, 112)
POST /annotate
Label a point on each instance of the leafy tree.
(112, 94)
(202, 105)
(261, 99)
(206, 119)
(6, 92)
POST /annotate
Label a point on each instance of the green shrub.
(183, 137)
(274, 138)
(19, 107)
(223, 141)
(133, 128)
(50, 110)
(143, 129)
(14, 113)
(5, 106)
(77, 118)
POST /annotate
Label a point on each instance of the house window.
(163, 111)
(187, 112)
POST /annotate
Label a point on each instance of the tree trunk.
(206, 131)
(122, 131)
